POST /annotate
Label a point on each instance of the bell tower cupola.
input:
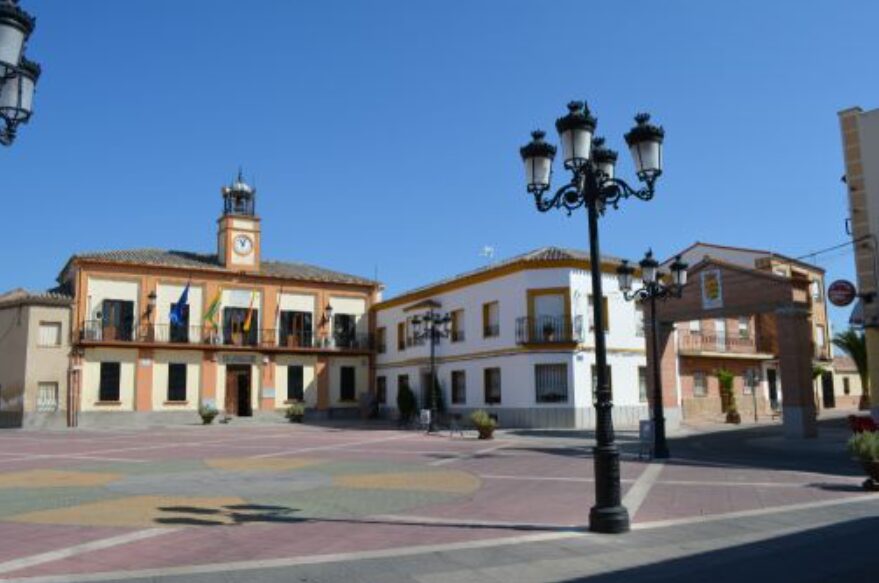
(238, 238)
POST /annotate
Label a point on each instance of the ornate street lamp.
(18, 75)
(654, 288)
(435, 327)
(593, 185)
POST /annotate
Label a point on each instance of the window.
(492, 387)
(491, 320)
(345, 330)
(381, 390)
(235, 329)
(695, 326)
(176, 382)
(750, 379)
(639, 319)
(50, 334)
(295, 382)
(815, 288)
(403, 383)
(458, 326)
(595, 382)
(605, 314)
(381, 340)
(700, 389)
(117, 320)
(109, 388)
(845, 386)
(401, 336)
(179, 323)
(47, 397)
(459, 387)
(744, 327)
(551, 383)
(347, 387)
(819, 336)
(642, 384)
(295, 329)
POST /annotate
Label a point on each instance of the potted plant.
(726, 379)
(485, 425)
(865, 447)
(207, 413)
(295, 413)
(548, 332)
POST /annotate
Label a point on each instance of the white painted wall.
(361, 379)
(161, 360)
(99, 289)
(309, 378)
(168, 294)
(91, 378)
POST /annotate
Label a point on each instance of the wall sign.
(841, 293)
(237, 359)
(712, 289)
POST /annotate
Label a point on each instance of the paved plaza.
(193, 502)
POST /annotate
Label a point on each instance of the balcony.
(696, 344)
(549, 330)
(96, 332)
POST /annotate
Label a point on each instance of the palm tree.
(853, 343)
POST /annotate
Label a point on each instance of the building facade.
(158, 332)
(747, 345)
(860, 143)
(520, 344)
(34, 358)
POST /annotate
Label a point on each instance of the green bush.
(295, 412)
(482, 420)
(865, 446)
(406, 403)
(207, 413)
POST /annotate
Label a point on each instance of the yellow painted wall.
(161, 359)
(308, 377)
(91, 377)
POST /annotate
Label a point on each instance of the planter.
(485, 432)
(207, 419)
(733, 417)
(871, 468)
(296, 418)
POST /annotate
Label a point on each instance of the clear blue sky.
(384, 134)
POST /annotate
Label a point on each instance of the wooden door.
(231, 392)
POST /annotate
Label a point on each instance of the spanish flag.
(249, 319)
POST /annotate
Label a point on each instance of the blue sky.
(383, 135)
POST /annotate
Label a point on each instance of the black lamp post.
(594, 186)
(18, 75)
(436, 326)
(653, 289)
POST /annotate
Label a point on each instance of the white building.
(521, 344)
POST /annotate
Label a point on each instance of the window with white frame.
(459, 387)
(551, 383)
(744, 327)
(819, 336)
(642, 384)
(700, 387)
(47, 397)
(695, 326)
(815, 288)
(50, 334)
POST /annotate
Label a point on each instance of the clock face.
(242, 244)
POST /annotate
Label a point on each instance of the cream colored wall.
(91, 377)
(161, 360)
(167, 294)
(255, 375)
(353, 306)
(854, 383)
(309, 380)
(13, 356)
(361, 378)
(47, 364)
(100, 289)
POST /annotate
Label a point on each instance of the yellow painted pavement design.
(54, 479)
(244, 464)
(448, 481)
(137, 511)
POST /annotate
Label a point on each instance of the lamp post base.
(661, 452)
(609, 520)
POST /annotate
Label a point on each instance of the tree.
(854, 345)
(406, 403)
(725, 379)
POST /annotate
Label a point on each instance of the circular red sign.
(841, 293)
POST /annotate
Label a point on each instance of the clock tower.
(238, 243)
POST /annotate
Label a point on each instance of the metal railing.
(549, 330)
(96, 331)
(698, 343)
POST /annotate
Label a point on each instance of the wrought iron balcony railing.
(549, 330)
(693, 343)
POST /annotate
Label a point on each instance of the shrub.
(406, 403)
(485, 425)
(207, 413)
(865, 446)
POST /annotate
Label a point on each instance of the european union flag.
(178, 310)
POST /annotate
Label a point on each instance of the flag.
(249, 319)
(178, 310)
(211, 315)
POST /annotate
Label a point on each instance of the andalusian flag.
(249, 319)
(213, 309)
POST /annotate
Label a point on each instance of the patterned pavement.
(86, 502)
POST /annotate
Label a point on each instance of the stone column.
(795, 360)
(322, 372)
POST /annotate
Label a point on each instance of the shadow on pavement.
(840, 552)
